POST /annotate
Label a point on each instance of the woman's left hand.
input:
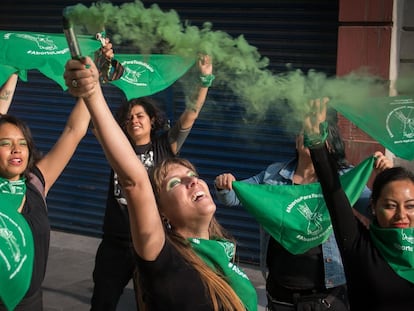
(381, 162)
(107, 49)
(205, 64)
(315, 116)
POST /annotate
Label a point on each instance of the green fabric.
(218, 255)
(6, 72)
(16, 244)
(207, 80)
(296, 215)
(389, 120)
(46, 52)
(396, 245)
(314, 140)
(148, 74)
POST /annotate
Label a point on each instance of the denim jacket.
(282, 174)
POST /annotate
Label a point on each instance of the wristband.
(206, 80)
(316, 140)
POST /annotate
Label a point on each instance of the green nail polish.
(87, 66)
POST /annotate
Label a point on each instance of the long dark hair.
(150, 106)
(336, 145)
(335, 141)
(34, 154)
(389, 175)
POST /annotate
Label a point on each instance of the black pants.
(332, 299)
(114, 268)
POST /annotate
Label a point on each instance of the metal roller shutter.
(302, 33)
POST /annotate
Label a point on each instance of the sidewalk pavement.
(68, 283)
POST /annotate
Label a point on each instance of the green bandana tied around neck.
(296, 215)
(217, 254)
(16, 244)
(396, 245)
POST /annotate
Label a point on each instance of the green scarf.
(217, 254)
(16, 244)
(396, 245)
(296, 216)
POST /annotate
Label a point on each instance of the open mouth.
(197, 196)
(16, 161)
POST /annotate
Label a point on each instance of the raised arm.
(344, 223)
(197, 100)
(195, 103)
(55, 161)
(7, 92)
(146, 227)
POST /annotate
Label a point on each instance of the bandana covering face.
(296, 216)
(16, 244)
(217, 254)
(396, 245)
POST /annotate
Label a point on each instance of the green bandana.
(16, 244)
(296, 216)
(6, 72)
(145, 75)
(388, 120)
(397, 247)
(45, 52)
(217, 254)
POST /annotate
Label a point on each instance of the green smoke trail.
(237, 64)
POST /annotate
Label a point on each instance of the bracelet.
(207, 80)
(316, 140)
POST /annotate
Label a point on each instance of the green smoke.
(237, 64)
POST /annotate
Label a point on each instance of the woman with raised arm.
(25, 180)
(145, 126)
(378, 261)
(184, 258)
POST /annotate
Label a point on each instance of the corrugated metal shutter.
(303, 33)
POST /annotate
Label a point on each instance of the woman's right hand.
(224, 181)
(81, 77)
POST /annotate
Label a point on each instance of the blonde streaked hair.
(222, 295)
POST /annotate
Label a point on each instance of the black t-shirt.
(170, 283)
(295, 272)
(116, 222)
(372, 284)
